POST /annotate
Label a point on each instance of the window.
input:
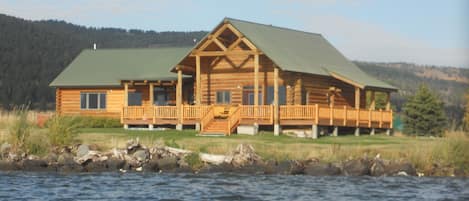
(281, 95)
(223, 97)
(92, 100)
(248, 96)
(135, 99)
(160, 96)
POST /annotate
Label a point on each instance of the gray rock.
(141, 155)
(378, 168)
(4, 149)
(96, 166)
(394, 168)
(50, 158)
(65, 159)
(8, 166)
(224, 167)
(115, 164)
(322, 169)
(34, 165)
(283, 168)
(166, 164)
(357, 167)
(82, 150)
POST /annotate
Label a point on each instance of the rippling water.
(153, 186)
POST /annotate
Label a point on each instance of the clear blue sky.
(420, 31)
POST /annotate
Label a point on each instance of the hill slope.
(32, 53)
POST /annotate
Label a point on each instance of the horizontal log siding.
(230, 72)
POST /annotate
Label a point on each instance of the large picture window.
(92, 100)
(135, 99)
(223, 97)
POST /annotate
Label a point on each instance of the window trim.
(87, 99)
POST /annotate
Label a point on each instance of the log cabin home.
(240, 77)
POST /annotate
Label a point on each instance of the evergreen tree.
(466, 113)
(424, 114)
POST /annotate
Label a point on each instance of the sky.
(419, 31)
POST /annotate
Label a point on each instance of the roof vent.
(94, 46)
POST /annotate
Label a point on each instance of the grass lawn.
(266, 144)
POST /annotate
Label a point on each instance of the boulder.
(321, 169)
(395, 167)
(151, 166)
(244, 154)
(34, 165)
(224, 167)
(378, 168)
(166, 164)
(141, 155)
(83, 150)
(356, 167)
(96, 166)
(133, 145)
(50, 158)
(115, 164)
(5, 148)
(283, 167)
(8, 166)
(65, 163)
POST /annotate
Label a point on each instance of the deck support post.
(388, 132)
(256, 88)
(314, 132)
(179, 127)
(126, 126)
(372, 131)
(197, 126)
(150, 127)
(335, 132)
(357, 131)
(277, 128)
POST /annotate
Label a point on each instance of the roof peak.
(272, 26)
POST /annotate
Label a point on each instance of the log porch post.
(151, 102)
(372, 107)
(179, 100)
(126, 100)
(198, 91)
(276, 103)
(388, 109)
(256, 90)
(357, 109)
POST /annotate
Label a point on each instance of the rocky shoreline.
(244, 160)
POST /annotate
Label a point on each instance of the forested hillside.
(32, 53)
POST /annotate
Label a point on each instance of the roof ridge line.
(274, 26)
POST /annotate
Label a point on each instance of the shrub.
(62, 130)
(20, 129)
(193, 160)
(424, 114)
(94, 122)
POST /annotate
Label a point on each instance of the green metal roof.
(305, 52)
(107, 67)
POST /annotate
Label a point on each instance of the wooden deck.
(262, 115)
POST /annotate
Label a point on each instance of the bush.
(94, 122)
(193, 159)
(62, 130)
(20, 130)
(424, 114)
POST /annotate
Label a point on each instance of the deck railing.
(261, 112)
(314, 114)
(233, 120)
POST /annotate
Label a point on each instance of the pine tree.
(424, 114)
(466, 113)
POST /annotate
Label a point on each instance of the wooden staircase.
(216, 127)
(220, 125)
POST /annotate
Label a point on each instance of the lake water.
(153, 186)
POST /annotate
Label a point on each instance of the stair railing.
(209, 116)
(233, 120)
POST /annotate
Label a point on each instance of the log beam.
(198, 93)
